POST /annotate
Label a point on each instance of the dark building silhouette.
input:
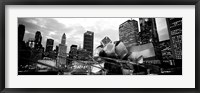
(175, 35)
(128, 33)
(38, 40)
(24, 52)
(56, 49)
(73, 52)
(148, 34)
(105, 41)
(49, 45)
(21, 31)
(148, 31)
(38, 37)
(88, 42)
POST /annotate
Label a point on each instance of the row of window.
(176, 23)
(177, 39)
(176, 31)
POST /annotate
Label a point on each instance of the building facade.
(148, 34)
(73, 52)
(88, 42)
(56, 49)
(24, 52)
(175, 35)
(21, 32)
(83, 54)
(49, 45)
(62, 52)
(148, 31)
(38, 40)
(166, 50)
(128, 33)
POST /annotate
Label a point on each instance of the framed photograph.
(107, 46)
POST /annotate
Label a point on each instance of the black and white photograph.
(99, 45)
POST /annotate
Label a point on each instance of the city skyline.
(136, 48)
(74, 28)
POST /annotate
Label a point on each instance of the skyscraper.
(38, 40)
(49, 45)
(62, 52)
(73, 52)
(148, 34)
(166, 50)
(56, 51)
(56, 48)
(175, 35)
(21, 31)
(63, 40)
(88, 42)
(128, 33)
(23, 51)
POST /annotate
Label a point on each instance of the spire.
(63, 41)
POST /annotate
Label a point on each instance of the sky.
(74, 28)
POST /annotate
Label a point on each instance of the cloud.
(48, 27)
(28, 36)
(52, 33)
(27, 32)
(74, 28)
(56, 41)
(49, 37)
(32, 21)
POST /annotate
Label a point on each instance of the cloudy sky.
(74, 28)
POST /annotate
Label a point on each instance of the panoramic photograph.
(99, 46)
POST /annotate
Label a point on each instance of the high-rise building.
(105, 41)
(166, 50)
(62, 52)
(38, 40)
(73, 52)
(148, 31)
(175, 35)
(49, 45)
(83, 54)
(24, 53)
(21, 31)
(56, 49)
(148, 34)
(88, 42)
(128, 33)
(167, 54)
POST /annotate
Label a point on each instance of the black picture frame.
(3, 3)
